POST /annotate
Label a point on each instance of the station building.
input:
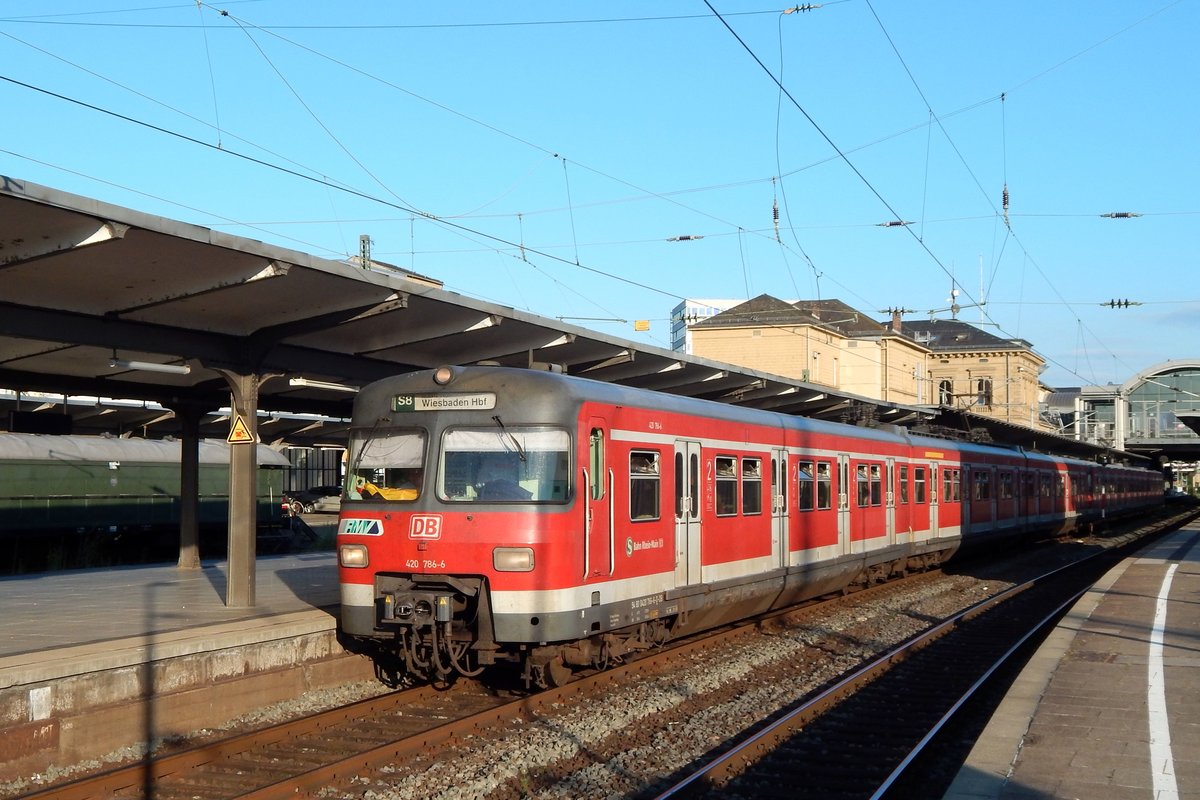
(1156, 412)
(942, 362)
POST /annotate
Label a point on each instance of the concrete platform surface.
(1109, 707)
(67, 609)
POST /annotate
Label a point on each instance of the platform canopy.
(100, 304)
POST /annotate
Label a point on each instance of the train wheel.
(558, 673)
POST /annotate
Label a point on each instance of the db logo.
(425, 526)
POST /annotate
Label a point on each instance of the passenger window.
(919, 485)
(596, 461)
(776, 491)
(804, 481)
(903, 485)
(751, 485)
(876, 486)
(727, 485)
(678, 485)
(824, 486)
(983, 486)
(643, 485)
(864, 486)
(694, 486)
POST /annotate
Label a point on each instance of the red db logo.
(425, 526)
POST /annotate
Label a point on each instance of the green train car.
(102, 490)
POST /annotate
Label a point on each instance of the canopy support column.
(243, 478)
(189, 486)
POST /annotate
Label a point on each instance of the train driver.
(497, 478)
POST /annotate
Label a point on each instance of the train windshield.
(388, 466)
(505, 464)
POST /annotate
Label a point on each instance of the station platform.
(87, 655)
(1109, 707)
(47, 612)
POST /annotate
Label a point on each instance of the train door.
(843, 495)
(969, 502)
(687, 512)
(779, 508)
(933, 500)
(889, 500)
(598, 532)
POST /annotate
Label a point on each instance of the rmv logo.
(425, 526)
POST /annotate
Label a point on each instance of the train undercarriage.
(442, 627)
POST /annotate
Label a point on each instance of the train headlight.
(443, 375)
(353, 555)
(513, 559)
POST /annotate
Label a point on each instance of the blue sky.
(545, 155)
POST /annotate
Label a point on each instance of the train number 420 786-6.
(427, 563)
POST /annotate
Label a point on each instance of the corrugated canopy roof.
(83, 282)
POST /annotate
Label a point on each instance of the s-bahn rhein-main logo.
(425, 526)
(361, 527)
(631, 546)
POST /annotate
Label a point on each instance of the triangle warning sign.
(239, 433)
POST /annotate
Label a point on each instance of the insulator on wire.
(1004, 202)
(775, 216)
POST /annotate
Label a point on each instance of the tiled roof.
(953, 334)
(771, 311)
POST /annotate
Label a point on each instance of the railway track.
(302, 756)
(404, 738)
(900, 726)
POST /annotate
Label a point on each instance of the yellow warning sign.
(239, 433)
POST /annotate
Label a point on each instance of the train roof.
(45, 447)
(543, 391)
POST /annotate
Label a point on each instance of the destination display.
(481, 401)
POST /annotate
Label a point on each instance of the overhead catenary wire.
(315, 117)
(212, 78)
(350, 191)
(575, 206)
(842, 156)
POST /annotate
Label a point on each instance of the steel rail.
(1045, 622)
(733, 761)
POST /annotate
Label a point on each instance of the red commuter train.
(495, 514)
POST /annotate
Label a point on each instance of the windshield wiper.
(511, 438)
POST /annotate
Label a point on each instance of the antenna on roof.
(954, 306)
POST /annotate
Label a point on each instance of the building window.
(945, 392)
(983, 392)
(643, 485)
